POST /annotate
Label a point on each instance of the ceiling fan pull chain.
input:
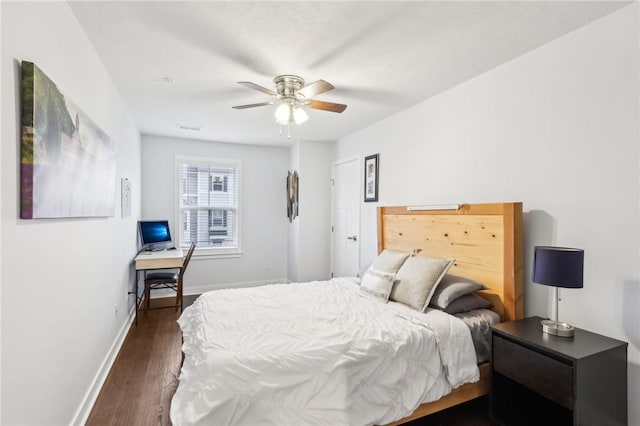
(289, 130)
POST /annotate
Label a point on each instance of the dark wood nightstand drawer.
(541, 379)
(547, 376)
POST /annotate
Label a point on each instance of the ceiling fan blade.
(327, 106)
(315, 88)
(257, 87)
(252, 105)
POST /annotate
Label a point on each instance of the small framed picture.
(371, 178)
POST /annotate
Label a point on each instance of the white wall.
(264, 215)
(558, 129)
(60, 278)
(2, 73)
(293, 254)
(309, 251)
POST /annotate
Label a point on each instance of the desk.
(162, 259)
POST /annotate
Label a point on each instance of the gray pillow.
(452, 287)
(389, 260)
(466, 303)
(417, 279)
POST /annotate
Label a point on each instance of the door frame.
(358, 159)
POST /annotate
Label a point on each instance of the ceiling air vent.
(191, 128)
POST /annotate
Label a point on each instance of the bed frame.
(486, 241)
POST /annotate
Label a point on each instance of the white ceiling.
(178, 63)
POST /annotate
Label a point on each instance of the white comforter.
(314, 353)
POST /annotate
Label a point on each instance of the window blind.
(208, 194)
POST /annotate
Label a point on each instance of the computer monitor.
(154, 234)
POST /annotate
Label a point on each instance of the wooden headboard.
(485, 240)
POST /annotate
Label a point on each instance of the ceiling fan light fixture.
(283, 114)
(300, 115)
(292, 97)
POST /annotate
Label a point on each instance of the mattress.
(479, 322)
(314, 353)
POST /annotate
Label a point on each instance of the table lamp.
(558, 267)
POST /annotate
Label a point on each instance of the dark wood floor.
(142, 381)
(144, 377)
(472, 413)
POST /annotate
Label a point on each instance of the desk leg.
(136, 296)
(136, 300)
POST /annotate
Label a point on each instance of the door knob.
(354, 238)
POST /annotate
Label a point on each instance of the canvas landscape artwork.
(67, 163)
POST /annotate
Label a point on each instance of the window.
(207, 200)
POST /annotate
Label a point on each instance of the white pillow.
(389, 260)
(363, 271)
(377, 284)
(417, 280)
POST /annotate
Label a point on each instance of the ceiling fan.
(293, 96)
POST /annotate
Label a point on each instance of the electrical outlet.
(267, 266)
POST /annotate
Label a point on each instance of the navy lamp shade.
(558, 267)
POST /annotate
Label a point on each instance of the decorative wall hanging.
(67, 163)
(292, 195)
(371, 178)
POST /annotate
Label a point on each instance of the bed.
(271, 356)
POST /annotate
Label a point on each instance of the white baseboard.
(83, 411)
(203, 289)
(190, 291)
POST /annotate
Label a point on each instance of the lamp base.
(561, 329)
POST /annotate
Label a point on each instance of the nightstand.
(541, 379)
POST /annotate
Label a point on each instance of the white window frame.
(210, 252)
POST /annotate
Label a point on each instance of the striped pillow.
(377, 284)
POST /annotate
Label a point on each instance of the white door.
(345, 237)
